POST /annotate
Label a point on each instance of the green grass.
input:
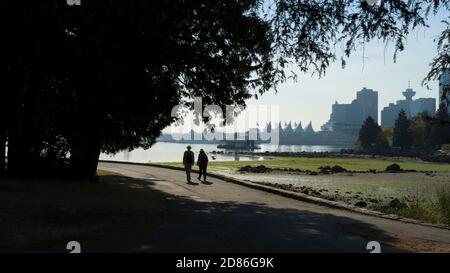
(304, 163)
(443, 205)
(432, 210)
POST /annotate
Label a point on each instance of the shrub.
(444, 205)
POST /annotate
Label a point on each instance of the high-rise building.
(444, 90)
(346, 119)
(355, 113)
(389, 114)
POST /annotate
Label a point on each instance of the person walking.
(202, 163)
(188, 161)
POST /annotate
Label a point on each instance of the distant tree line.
(421, 131)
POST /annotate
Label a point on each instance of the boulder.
(338, 169)
(397, 204)
(393, 168)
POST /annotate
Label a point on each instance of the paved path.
(224, 217)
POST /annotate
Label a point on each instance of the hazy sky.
(311, 98)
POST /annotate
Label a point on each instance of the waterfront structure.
(389, 114)
(341, 130)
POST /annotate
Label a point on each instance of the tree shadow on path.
(246, 227)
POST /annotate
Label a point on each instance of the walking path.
(224, 217)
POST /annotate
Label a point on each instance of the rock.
(338, 169)
(361, 204)
(313, 173)
(258, 169)
(245, 168)
(393, 168)
(397, 204)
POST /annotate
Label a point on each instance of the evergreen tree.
(403, 137)
(369, 134)
(440, 127)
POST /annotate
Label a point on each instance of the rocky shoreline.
(324, 170)
(439, 156)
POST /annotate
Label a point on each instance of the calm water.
(173, 152)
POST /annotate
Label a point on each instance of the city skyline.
(311, 98)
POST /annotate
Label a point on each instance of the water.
(173, 152)
(298, 148)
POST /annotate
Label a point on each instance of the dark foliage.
(369, 134)
(104, 76)
(403, 136)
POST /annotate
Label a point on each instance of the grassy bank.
(353, 164)
(35, 214)
(422, 195)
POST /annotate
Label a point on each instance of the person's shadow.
(207, 183)
(193, 183)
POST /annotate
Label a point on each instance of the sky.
(311, 97)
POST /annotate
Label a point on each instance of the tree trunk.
(2, 151)
(14, 153)
(84, 158)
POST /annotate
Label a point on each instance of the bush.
(444, 205)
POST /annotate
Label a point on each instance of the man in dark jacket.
(202, 163)
(188, 161)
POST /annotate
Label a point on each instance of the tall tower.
(409, 94)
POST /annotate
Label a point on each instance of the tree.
(420, 128)
(369, 134)
(402, 133)
(385, 138)
(440, 127)
(105, 75)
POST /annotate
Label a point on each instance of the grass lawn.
(304, 163)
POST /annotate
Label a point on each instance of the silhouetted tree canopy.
(104, 76)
